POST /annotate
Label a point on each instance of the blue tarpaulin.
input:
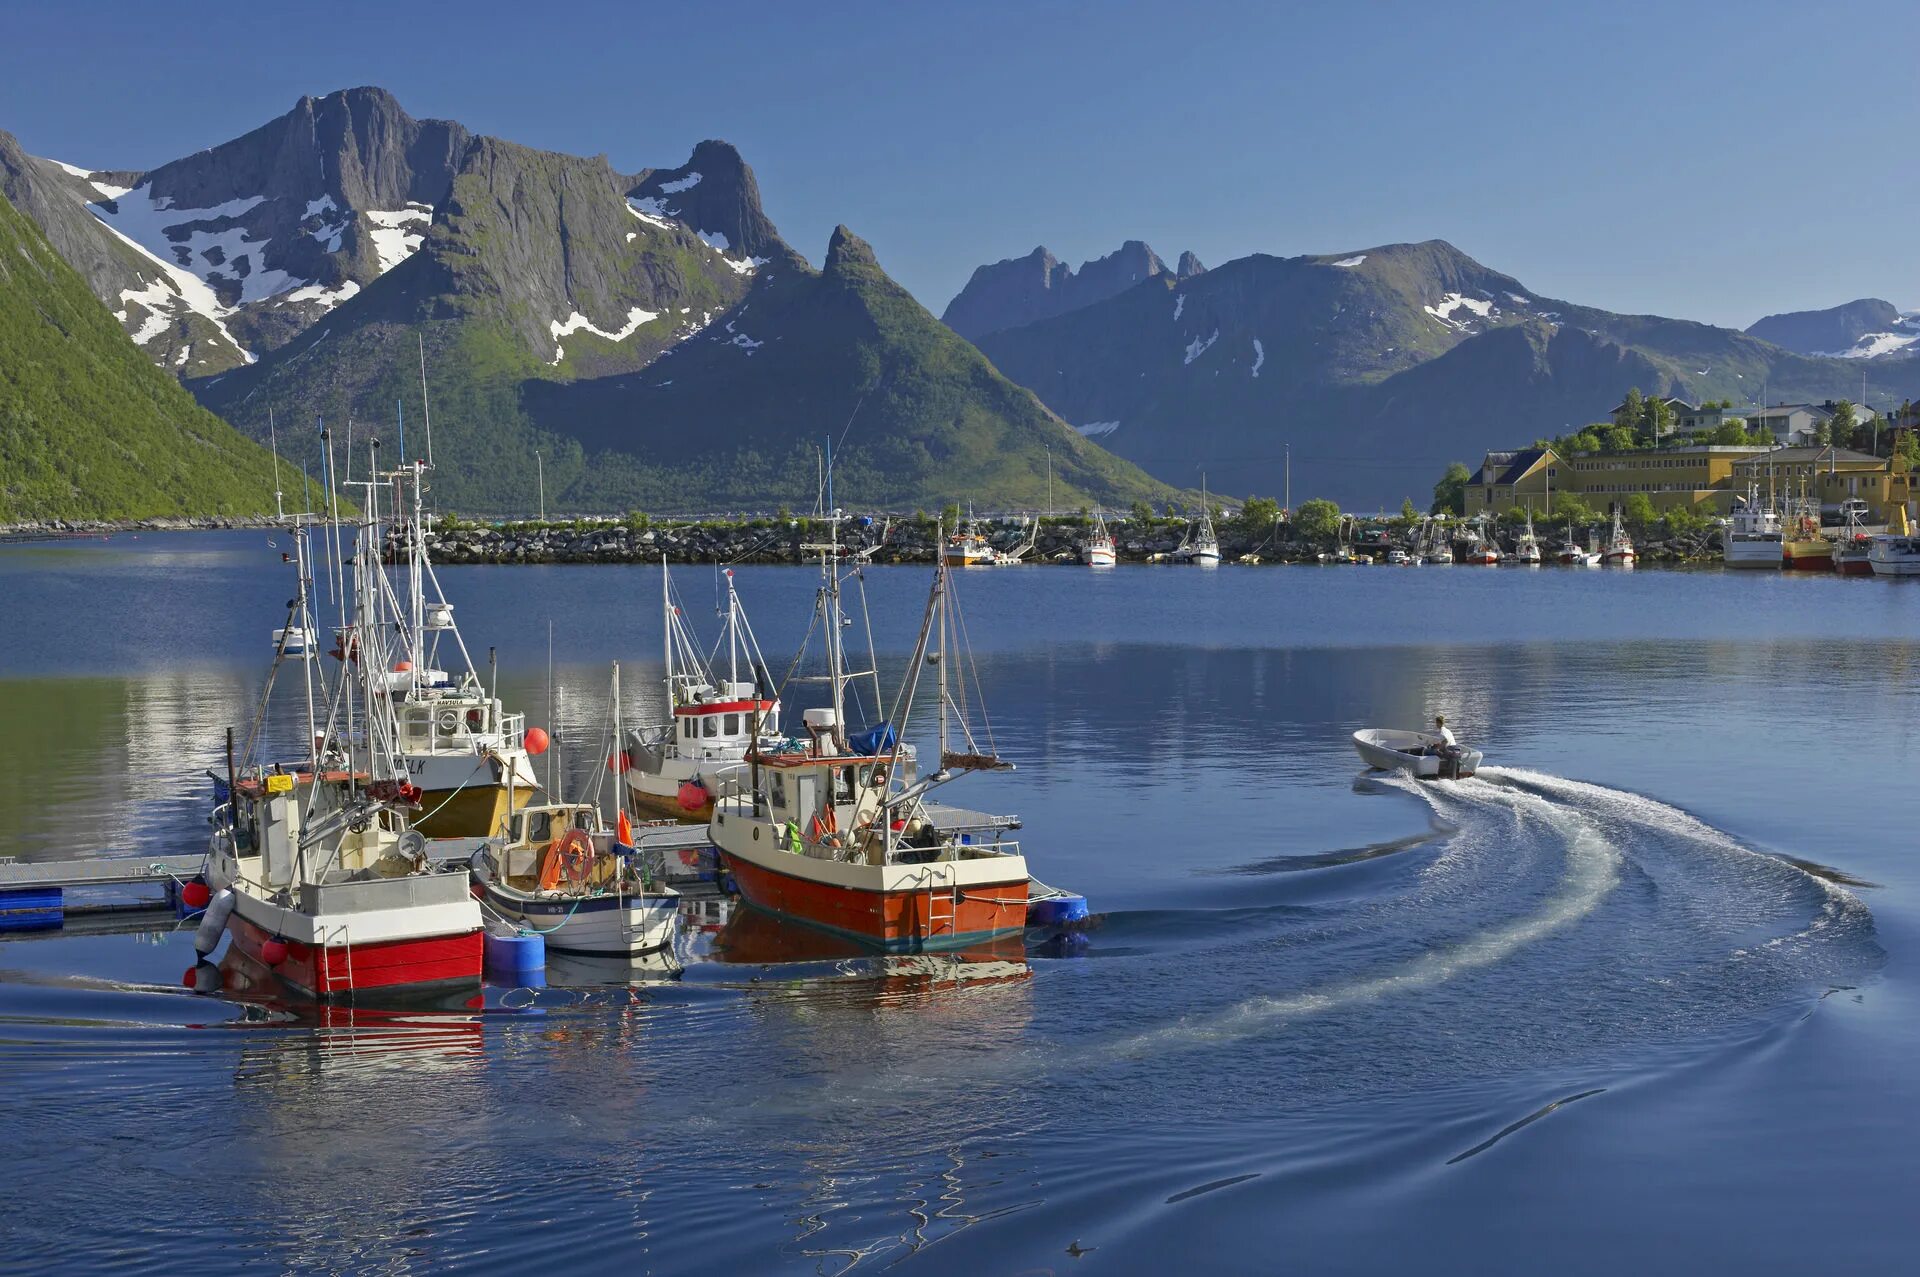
(874, 740)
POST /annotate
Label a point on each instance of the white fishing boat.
(560, 872)
(1398, 557)
(1619, 551)
(1526, 549)
(1418, 753)
(1753, 537)
(1200, 546)
(677, 768)
(1896, 552)
(315, 871)
(1098, 552)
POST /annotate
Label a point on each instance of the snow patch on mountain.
(577, 322)
(1351, 262)
(398, 233)
(1259, 356)
(714, 240)
(1873, 345)
(327, 297)
(324, 204)
(1094, 429)
(1179, 304)
(1457, 301)
(650, 211)
(188, 289)
(157, 299)
(1199, 346)
(686, 183)
(71, 169)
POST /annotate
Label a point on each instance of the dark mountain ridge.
(1039, 286)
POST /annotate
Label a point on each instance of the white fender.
(213, 924)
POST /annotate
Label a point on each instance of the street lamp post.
(540, 473)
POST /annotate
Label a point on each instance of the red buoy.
(693, 795)
(273, 951)
(617, 763)
(194, 894)
(191, 980)
(535, 740)
(402, 667)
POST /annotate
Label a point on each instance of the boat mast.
(836, 657)
(666, 631)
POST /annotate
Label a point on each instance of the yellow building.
(1828, 475)
(1699, 476)
(1705, 478)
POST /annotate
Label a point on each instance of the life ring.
(878, 776)
(569, 856)
(448, 722)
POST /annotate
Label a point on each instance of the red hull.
(899, 920)
(392, 966)
(1853, 567)
(1811, 563)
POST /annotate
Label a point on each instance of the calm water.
(1641, 998)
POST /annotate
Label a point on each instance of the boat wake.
(1625, 917)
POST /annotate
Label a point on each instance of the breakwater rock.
(914, 541)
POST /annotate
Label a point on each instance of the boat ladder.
(936, 920)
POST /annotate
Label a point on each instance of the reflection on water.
(1302, 998)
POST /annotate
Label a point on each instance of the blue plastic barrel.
(1056, 911)
(515, 955)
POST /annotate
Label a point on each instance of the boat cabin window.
(733, 724)
(710, 726)
(476, 720)
(842, 784)
(539, 826)
(777, 790)
(686, 728)
(583, 820)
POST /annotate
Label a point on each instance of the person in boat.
(1444, 745)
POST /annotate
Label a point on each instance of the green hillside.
(89, 429)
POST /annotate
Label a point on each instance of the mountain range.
(1021, 290)
(649, 335)
(1364, 373)
(649, 340)
(1864, 329)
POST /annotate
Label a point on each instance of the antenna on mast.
(273, 443)
(426, 409)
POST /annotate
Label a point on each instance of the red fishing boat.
(834, 832)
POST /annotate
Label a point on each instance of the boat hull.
(410, 966)
(892, 921)
(596, 926)
(1097, 557)
(1804, 556)
(1388, 750)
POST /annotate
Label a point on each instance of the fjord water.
(1641, 997)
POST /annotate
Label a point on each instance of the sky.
(1710, 161)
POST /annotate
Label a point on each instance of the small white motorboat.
(1419, 753)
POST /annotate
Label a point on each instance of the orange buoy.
(535, 740)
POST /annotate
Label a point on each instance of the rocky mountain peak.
(1189, 266)
(1039, 286)
(848, 252)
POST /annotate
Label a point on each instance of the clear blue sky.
(1712, 161)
